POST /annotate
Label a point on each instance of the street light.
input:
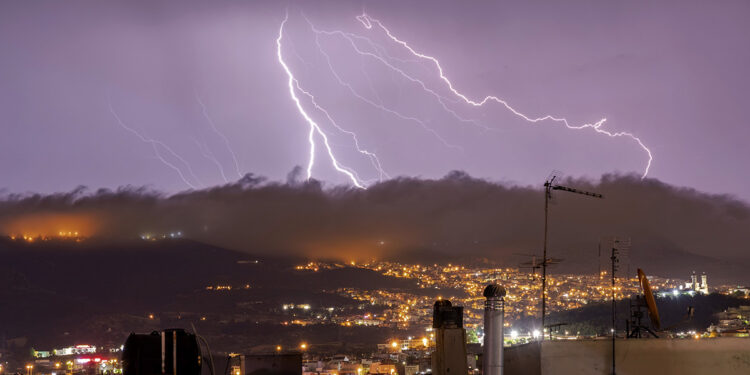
(303, 346)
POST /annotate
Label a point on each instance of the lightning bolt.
(370, 155)
(206, 152)
(155, 144)
(294, 86)
(368, 23)
(221, 135)
(441, 99)
(379, 53)
(356, 94)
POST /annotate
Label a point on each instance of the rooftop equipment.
(172, 351)
(494, 309)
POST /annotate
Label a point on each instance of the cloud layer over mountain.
(673, 230)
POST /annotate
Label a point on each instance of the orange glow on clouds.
(50, 225)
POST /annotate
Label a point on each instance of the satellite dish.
(653, 312)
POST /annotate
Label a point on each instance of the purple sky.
(674, 74)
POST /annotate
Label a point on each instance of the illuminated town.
(59, 236)
(464, 284)
(403, 313)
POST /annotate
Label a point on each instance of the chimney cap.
(442, 303)
(494, 291)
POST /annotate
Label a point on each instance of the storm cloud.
(673, 230)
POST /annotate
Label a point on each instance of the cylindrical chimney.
(494, 309)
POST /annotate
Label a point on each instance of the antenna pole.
(547, 192)
(550, 185)
(614, 301)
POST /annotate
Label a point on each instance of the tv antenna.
(618, 245)
(535, 263)
(549, 186)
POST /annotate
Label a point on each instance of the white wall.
(647, 356)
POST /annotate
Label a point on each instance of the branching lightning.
(379, 53)
(155, 144)
(314, 127)
(370, 155)
(222, 136)
(368, 23)
(351, 39)
(356, 94)
(206, 152)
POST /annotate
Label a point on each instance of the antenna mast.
(617, 246)
(614, 300)
(549, 186)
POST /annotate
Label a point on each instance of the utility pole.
(614, 300)
(550, 185)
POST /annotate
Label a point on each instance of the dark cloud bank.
(674, 231)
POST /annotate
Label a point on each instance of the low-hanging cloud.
(673, 230)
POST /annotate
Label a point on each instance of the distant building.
(695, 285)
(69, 351)
(411, 369)
(382, 368)
(75, 350)
(732, 322)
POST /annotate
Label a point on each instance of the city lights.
(404, 309)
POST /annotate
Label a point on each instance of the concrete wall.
(522, 359)
(449, 357)
(726, 355)
(273, 364)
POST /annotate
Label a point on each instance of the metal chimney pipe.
(494, 309)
